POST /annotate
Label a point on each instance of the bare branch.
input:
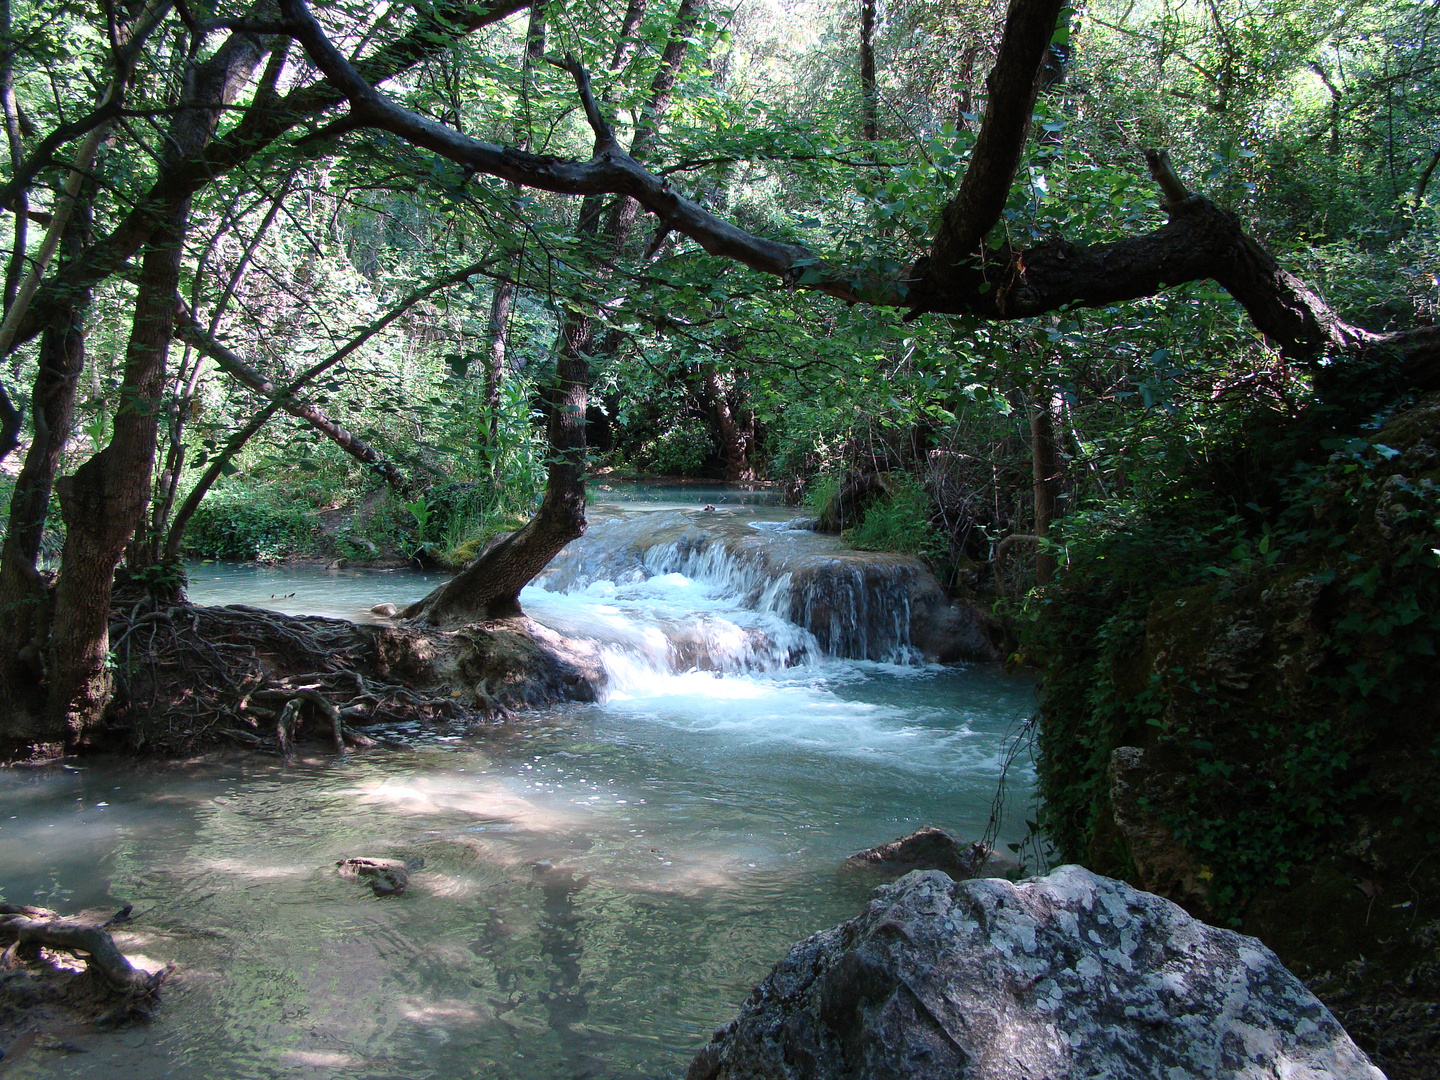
(604, 135)
(1163, 172)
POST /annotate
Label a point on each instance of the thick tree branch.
(604, 134)
(1012, 86)
(1199, 241)
(21, 926)
(610, 172)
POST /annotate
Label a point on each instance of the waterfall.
(662, 593)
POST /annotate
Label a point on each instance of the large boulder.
(1067, 976)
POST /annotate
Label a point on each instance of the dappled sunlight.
(253, 871)
(586, 892)
(487, 800)
(321, 1059)
(445, 1011)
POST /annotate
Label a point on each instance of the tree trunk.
(501, 302)
(869, 94)
(502, 299)
(24, 599)
(105, 501)
(490, 587)
(733, 439)
(1045, 463)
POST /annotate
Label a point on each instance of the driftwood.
(25, 930)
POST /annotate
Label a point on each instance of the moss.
(493, 527)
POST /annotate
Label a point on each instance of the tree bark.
(490, 587)
(869, 92)
(502, 298)
(734, 441)
(24, 599)
(105, 501)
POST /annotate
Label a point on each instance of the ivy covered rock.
(1067, 976)
(1241, 716)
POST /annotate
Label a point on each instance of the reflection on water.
(602, 884)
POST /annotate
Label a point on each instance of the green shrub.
(248, 523)
(464, 547)
(899, 522)
(822, 494)
(680, 451)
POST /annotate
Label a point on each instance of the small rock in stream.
(931, 848)
(388, 877)
(385, 611)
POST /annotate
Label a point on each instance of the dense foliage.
(373, 339)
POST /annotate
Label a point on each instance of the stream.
(602, 884)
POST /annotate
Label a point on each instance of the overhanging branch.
(1199, 241)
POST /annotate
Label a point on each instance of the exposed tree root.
(42, 991)
(187, 676)
(25, 929)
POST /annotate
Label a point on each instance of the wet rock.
(947, 631)
(518, 663)
(385, 611)
(1063, 977)
(388, 877)
(930, 848)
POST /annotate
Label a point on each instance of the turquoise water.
(602, 884)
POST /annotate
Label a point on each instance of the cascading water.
(668, 592)
(603, 883)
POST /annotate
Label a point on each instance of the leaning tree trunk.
(106, 499)
(24, 596)
(490, 587)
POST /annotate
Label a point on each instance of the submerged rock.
(930, 848)
(388, 877)
(1067, 976)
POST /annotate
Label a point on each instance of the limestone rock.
(930, 848)
(1142, 784)
(1063, 977)
(385, 611)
